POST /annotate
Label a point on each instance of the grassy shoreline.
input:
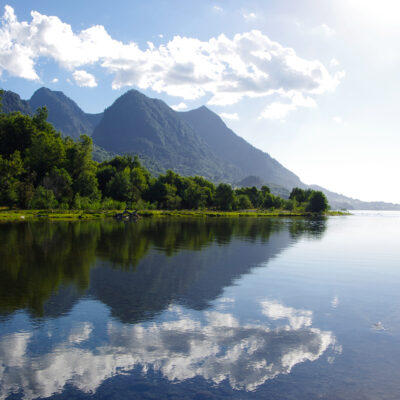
(18, 215)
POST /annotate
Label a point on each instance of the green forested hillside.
(196, 142)
(40, 169)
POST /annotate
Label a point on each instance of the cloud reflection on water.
(210, 344)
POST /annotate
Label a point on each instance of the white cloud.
(160, 35)
(55, 80)
(83, 78)
(323, 29)
(249, 16)
(338, 120)
(233, 116)
(297, 319)
(217, 8)
(279, 110)
(179, 107)
(214, 346)
(226, 69)
(334, 62)
(335, 302)
(81, 333)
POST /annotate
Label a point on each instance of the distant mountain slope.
(235, 150)
(339, 201)
(12, 102)
(137, 124)
(64, 113)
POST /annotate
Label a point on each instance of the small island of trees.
(40, 169)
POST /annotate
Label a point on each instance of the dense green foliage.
(40, 169)
(310, 200)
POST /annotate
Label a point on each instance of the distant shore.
(20, 215)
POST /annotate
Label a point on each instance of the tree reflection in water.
(41, 259)
(144, 296)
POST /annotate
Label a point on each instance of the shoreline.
(21, 215)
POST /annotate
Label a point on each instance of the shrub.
(111, 204)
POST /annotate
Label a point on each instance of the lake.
(201, 308)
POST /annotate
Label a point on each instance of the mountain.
(64, 113)
(195, 142)
(235, 150)
(12, 102)
(339, 201)
(134, 123)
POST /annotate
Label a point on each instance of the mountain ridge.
(64, 113)
(211, 127)
(205, 152)
(136, 123)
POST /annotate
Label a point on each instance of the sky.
(314, 83)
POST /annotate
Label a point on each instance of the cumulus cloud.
(334, 62)
(214, 346)
(217, 8)
(83, 78)
(323, 29)
(232, 116)
(297, 319)
(80, 333)
(179, 107)
(225, 69)
(279, 110)
(55, 80)
(249, 16)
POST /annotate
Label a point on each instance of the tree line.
(40, 169)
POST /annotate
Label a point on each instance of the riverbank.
(18, 215)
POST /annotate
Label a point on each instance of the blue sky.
(313, 83)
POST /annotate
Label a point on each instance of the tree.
(10, 172)
(243, 202)
(224, 197)
(139, 182)
(300, 195)
(317, 202)
(86, 185)
(59, 182)
(16, 132)
(43, 198)
(268, 201)
(46, 152)
(195, 196)
(265, 189)
(40, 118)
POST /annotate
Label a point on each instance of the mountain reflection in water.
(39, 260)
(100, 299)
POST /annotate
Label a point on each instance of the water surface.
(201, 309)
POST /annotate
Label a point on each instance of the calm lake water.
(201, 309)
